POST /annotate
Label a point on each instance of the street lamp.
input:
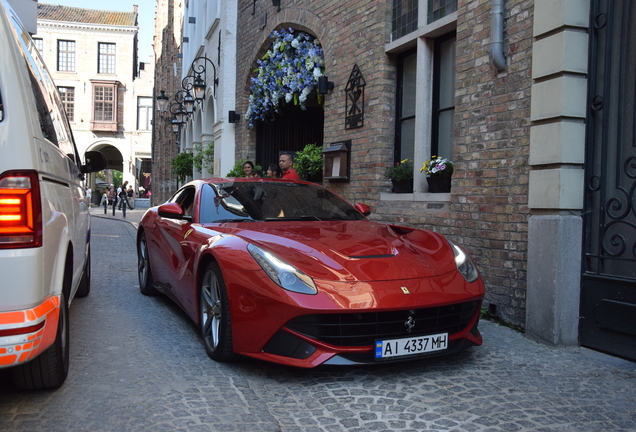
(162, 102)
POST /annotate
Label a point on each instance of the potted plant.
(438, 172)
(308, 162)
(401, 175)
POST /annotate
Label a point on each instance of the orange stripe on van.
(7, 360)
(20, 317)
(12, 318)
(35, 343)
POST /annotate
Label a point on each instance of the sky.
(146, 19)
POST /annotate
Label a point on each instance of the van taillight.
(20, 210)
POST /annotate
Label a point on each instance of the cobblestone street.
(137, 364)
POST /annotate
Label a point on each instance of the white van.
(44, 219)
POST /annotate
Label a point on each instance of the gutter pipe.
(496, 35)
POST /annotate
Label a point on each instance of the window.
(144, 113)
(403, 18)
(442, 139)
(66, 56)
(439, 9)
(406, 97)
(67, 94)
(104, 106)
(106, 63)
(39, 44)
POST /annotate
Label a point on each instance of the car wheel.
(50, 368)
(84, 287)
(214, 314)
(143, 268)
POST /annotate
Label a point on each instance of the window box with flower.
(438, 172)
(401, 175)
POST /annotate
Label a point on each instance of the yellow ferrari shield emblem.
(405, 290)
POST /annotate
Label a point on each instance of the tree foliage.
(182, 165)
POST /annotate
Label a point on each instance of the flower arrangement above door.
(288, 72)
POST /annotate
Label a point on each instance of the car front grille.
(363, 329)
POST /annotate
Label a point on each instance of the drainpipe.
(496, 35)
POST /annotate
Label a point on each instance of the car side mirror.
(363, 208)
(95, 161)
(172, 211)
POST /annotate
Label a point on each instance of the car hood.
(351, 250)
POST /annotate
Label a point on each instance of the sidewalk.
(132, 216)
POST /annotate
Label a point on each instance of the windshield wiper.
(233, 220)
(294, 218)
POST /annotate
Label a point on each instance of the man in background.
(286, 162)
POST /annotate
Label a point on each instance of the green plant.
(308, 162)
(437, 166)
(182, 165)
(203, 156)
(237, 169)
(402, 170)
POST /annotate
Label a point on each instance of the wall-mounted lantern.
(233, 117)
(337, 161)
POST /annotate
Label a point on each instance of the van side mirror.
(95, 161)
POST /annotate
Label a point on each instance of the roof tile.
(88, 16)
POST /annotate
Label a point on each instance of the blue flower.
(288, 71)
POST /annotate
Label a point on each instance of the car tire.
(143, 268)
(214, 316)
(49, 369)
(84, 287)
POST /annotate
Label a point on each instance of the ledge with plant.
(401, 175)
(438, 172)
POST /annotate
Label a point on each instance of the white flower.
(317, 73)
(295, 43)
(289, 97)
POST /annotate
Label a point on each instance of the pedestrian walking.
(123, 198)
(130, 194)
(104, 200)
(112, 198)
(89, 194)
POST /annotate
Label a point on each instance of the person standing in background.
(286, 163)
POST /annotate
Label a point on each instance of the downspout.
(496, 35)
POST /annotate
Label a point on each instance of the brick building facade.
(167, 49)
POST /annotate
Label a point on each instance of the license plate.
(410, 346)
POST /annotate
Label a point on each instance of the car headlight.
(464, 263)
(282, 273)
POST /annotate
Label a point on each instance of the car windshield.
(272, 201)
